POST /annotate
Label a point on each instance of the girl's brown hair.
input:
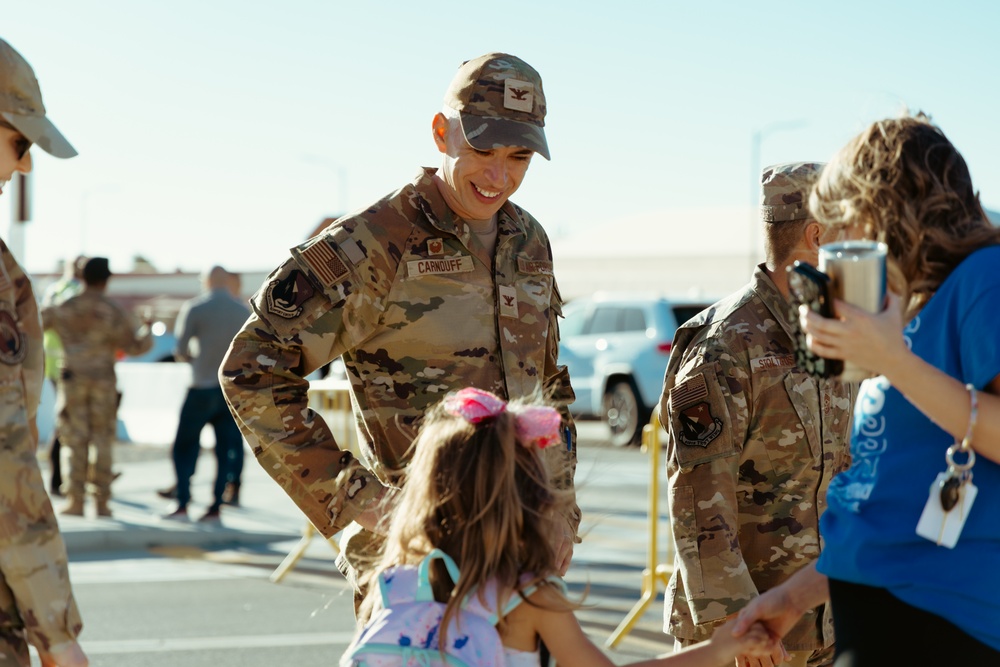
(908, 186)
(475, 492)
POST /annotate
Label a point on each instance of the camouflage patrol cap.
(501, 102)
(784, 190)
(21, 104)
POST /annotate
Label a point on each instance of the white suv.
(616, 346)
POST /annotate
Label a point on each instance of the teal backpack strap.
(515, 599)
(424, 592)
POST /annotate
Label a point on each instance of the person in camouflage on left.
(93, 328)
(442, 284)
(753, 440)
(36, 599)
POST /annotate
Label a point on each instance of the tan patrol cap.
(784, 190)
(501, 102)
(21, 104)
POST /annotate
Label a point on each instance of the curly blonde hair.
(905, 184)
(475, 492)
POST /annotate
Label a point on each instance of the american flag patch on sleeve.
(691, 390)
(324, 262)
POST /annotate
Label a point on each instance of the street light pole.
(756, 139)
(84, 200)
(341, 172)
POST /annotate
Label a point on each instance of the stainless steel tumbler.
(857, 276)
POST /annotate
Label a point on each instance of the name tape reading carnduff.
(423, 267)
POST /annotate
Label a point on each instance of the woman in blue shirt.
(899, 596)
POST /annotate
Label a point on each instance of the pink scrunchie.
(537, 425)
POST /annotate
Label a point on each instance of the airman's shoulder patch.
(696, 425)
(324, 262)
(285, 297)
(13, 342)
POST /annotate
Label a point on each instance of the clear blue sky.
(222, 131)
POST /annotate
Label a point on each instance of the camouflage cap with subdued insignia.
(501, 102)
(784, 190)
(21, 104)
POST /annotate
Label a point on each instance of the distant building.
(164, 292)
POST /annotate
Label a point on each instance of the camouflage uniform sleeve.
(33, 556)
(706, 418)
(135, 338)
(33, 365)
(562, 460)
(33, 562)
(298, 324)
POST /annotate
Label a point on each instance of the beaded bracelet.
(966, 444)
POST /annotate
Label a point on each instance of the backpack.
(404, 631)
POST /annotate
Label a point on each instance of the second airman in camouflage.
(753, 441)
(93, 328)
(440, 285)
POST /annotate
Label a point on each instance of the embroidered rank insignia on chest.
(285, 297)
(324, 262)
(534, 266)
(695, 424)
(508, 300)
(435, 247)
(13, 342)
(445, 265)
(773, 362)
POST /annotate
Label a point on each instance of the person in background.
(210, 320)
(37, 605)
(442, 284)
(70, 284)
(231, 495)
(92, 328)
(903, 594)
(753, 440)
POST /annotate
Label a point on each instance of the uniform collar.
(768, 293)
(433, 205)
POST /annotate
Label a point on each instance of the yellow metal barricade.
(332, 400)
(655, 572)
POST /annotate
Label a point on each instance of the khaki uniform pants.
(88, 414)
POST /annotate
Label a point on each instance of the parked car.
(616, 346)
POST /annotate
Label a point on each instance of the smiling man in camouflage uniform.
(753, 440)
(440, 285)
(36, 600)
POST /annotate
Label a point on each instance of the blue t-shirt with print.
(869, 528)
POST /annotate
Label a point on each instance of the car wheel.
(623, 413)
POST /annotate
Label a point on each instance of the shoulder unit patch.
(695, 424)
(13, 342)
(285, 297)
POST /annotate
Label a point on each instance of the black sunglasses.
(23, 146)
